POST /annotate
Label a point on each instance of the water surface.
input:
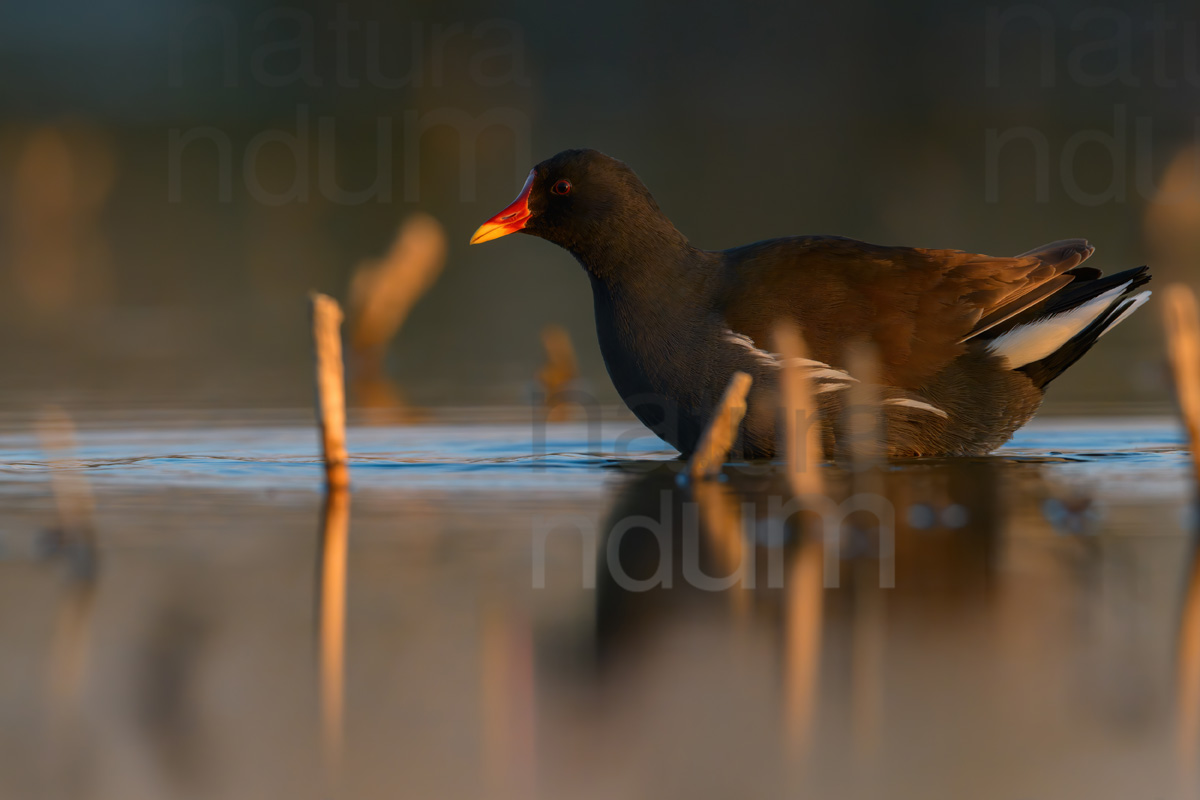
(490, 615)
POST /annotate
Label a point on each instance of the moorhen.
(967, 343)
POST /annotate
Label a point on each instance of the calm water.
(489, 616)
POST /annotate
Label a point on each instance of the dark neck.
(640, 248)
(653, 303)
(655, 281)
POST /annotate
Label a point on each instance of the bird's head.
(584, 201)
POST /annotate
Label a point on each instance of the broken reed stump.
(560, 370)
(331, 388)
(72, 494)
(722, 430)
(867, 450)
(800, 429)
(384, 291)
(864, 422)
(1182, 323)
(382, 294)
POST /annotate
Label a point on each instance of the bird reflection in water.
(735, 553)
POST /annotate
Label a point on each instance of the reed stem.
(722, 430)
(331, 388)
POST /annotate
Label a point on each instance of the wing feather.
(920, 306)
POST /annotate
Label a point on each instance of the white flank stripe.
(917, 404)
(742, 340)
(831, 387)
(818, 370)
(1034, 341)
(832, 374)
(1127, 307)
(804, 362)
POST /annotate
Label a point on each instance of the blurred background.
(176, 176)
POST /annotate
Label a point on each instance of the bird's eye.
(562, 187)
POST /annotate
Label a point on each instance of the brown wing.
(919, 306)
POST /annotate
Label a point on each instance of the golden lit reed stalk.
(722, 430)
(1183, 347)
(383, 292)
(1182, 323)
(801, 426)
(331, 388)
(863, 420)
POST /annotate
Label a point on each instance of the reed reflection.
(74, 542)
(507, 701)
(1188, 676)
(331, 628)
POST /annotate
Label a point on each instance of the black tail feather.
(1088, 283)
(1047, 369)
